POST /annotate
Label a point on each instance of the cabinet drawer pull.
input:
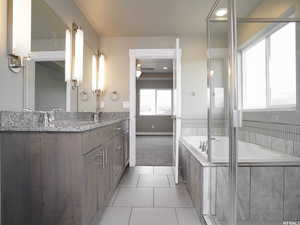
(103, 160)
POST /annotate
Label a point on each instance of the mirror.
(46, 89)
(50, 87)
(45, 86)
(48, 30)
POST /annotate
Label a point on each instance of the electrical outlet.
(126, 105)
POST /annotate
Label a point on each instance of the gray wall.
(50, 87)
(145, 123)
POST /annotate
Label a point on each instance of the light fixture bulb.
(221, 12)
(101, 71)
(78, 67)
(165, 68)
(94, 73)
(68, 56)
(138, 74)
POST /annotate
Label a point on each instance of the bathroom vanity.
(64, 174)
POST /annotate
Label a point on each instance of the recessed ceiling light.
(165, 68)
(221, 12)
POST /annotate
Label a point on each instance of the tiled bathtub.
(268, 181)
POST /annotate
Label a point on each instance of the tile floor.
(149, 196)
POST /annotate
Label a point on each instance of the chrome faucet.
(45, 119)
(96, 117)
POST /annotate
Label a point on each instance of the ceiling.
(45, 23)
(156, 66)
(151, 17)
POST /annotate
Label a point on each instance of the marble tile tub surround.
(71, 120)
(283, 138)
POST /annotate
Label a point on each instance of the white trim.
(155, 78)
(48, 56)
(135, 54)
(154, 133)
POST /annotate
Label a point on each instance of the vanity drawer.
(94, 138)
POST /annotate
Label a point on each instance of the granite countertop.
(66, 126)
(67, 122)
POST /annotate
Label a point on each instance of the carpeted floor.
(154, 150)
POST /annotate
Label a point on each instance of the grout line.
(138, 180)
(130, 215)
(115, 195)
(153, 197)
(176, 216)
(168, 180)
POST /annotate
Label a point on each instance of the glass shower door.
(221, 133)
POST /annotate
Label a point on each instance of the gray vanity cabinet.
(91, 192)
(59, 178)
(126, 147)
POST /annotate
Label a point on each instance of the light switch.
(126, 105)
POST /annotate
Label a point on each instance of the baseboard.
(154, 134)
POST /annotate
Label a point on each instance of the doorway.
(146, 54)
(154, 123)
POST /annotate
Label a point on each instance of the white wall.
(193, 48)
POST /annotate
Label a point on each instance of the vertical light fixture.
(68, 56)
(98, 74)
(94, 73)
(101, 73)
(78, 62)
(18, 33)
(74, 56)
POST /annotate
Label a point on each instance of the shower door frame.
(234, 92)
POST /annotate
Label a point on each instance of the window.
(269, 70)
(155, 102)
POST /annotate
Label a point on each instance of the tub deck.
(248, 154)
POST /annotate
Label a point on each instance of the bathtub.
(248, 153)
(264, 178)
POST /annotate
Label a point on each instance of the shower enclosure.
(253, 122)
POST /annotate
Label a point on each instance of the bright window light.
(164, 102)
(283, 66)
(79, 45)
(255, 76)
(147, 102)
(155, 102)
(269, 70)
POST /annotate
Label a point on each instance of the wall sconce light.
(98, 74)
(18, 33)
(138, 72)
(74, 56)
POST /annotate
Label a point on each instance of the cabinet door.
(118, 158)
(108, 171)
(126, 147)
(90, 187)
